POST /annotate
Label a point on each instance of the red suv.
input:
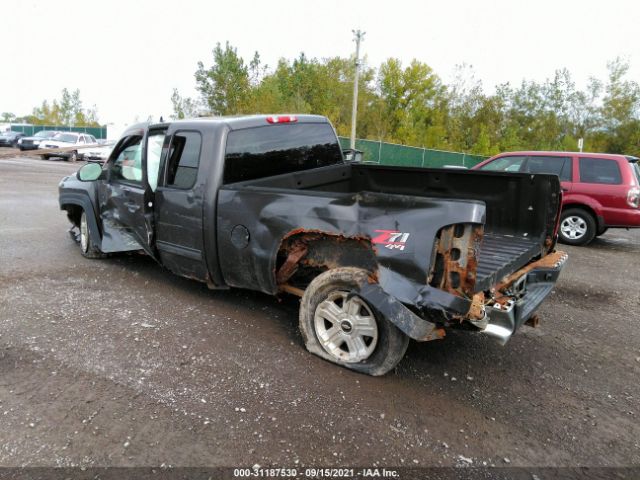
(600, 191)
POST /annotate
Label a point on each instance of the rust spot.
(454, 259)
(296, 251)
(533, 322)
(436, 334)
(476, 311)
(292, 290)
(303, 254)
(548, 261)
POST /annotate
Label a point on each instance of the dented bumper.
(514, 303)
(522, 294)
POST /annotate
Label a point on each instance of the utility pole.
(354, 111)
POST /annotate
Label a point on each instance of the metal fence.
(403, 155)
(99, 132)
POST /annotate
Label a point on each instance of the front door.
(126, 203)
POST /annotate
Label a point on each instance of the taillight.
(633, 197)
(282, 119)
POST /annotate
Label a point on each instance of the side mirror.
(89, 172)
(353, 155)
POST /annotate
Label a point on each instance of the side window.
(128, 161)
(505, 164)
(265, 151)
(154, 152)
(560, 166)
(184, 157)
(81, 139)
(599, 170)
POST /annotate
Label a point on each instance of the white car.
(99, 152)
(66, 140)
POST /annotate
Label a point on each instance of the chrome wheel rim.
(346, 327)
(84, 233)
(573, 227)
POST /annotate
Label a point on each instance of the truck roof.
(234, 122)
(549, 153)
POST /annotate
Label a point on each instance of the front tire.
(88, 248)
(577, 227)
(341, 327)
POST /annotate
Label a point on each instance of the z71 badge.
(391, 239)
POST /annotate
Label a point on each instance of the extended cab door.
(179, 199)
(126, 199)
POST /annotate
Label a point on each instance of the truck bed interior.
(520, 208)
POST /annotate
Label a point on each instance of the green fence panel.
(406, 156)
(400, 155)
(439, 159)
(370, 149)
(99, 132)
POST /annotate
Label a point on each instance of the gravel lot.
(118, 362)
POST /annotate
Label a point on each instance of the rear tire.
(577, 227)
(343, 328)
(88, 248)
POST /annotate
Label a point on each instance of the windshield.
(65, 137)
(44, 134)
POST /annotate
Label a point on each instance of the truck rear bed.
(520, 209)
(502, 254)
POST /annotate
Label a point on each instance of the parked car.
(66, 140)
(600, 191)
(32, 143)
(379, 254)
(98, 152)
(10, 139)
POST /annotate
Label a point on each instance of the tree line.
(68, 110)
(411, 105)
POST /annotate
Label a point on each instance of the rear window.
(560, 166)
(599, 170)
(276, 149)
(505, 164)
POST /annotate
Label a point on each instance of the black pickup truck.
(377, 254)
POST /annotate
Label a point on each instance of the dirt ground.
(117, 362)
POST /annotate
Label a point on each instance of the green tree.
(184, 107)
(66, 111)
(411, 105)
(7, 117)
(225, 86)
(412, 97)
(619, 111)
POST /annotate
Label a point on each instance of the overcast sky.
(127, 56)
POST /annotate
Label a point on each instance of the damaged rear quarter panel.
(270, 215)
